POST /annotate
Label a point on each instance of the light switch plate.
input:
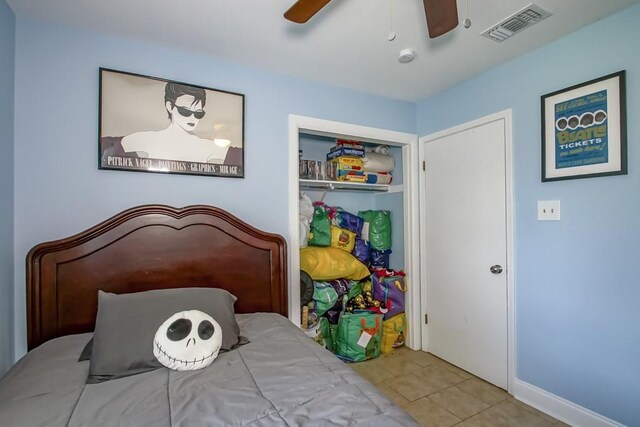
(548, 210)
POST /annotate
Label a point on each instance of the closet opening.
(389, 192)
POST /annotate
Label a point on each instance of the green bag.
(355, 288)
(320, 230)
(351, 343)
(379, 223)
(325, 296)
(328, 334)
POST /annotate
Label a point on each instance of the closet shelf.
(312, 184)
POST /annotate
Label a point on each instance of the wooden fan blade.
(303, 10)
(442, 16)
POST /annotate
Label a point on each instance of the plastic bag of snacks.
(325, 297)
(361, 251)
(331, 264)
(389, 287)
(348, 221)
(359, 336)
(342, 239)
(305, 216)
(320, 232)
(326, 335)
(393, 332)
(379, 258)
(377, 229)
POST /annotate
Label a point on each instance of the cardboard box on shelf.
(349, 172)
(339, 151)
(349, 142)
(343, 167)
(345, 162)
(352, 178)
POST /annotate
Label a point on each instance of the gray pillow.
(127, 323)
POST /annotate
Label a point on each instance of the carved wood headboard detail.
(152, 247)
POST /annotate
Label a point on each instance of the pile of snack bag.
(352, 301)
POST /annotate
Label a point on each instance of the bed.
(280, 377)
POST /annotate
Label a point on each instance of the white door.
(465, 249)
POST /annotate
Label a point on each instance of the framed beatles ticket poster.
(584, 130)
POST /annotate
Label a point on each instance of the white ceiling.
(344, 45)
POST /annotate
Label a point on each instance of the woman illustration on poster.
(185, 107)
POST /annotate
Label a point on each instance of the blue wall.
(577, 280)
(7, 55)
(58, 187)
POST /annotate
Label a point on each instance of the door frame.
(409, 144)
(506, 116)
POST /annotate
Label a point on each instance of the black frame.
(619, 121)
(129, 161)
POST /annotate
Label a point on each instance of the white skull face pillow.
(187, 341)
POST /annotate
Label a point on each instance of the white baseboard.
(558, 407)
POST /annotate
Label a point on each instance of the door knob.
(496, 269)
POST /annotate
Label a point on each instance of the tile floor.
(439, 394)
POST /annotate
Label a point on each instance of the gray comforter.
(280, 378)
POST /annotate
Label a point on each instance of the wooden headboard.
(152, 247)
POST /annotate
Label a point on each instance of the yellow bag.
(393, 332)
(366, 286)
(342, 239)
(331, 264)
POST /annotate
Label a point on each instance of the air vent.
(517, 22)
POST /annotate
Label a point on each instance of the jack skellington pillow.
(187, 341)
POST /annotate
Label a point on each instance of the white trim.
(395, 189)
(559, 408)
(409, 144)
(294, 237)
(511, 259)
(313, 126)
(411, 241)
(323, 185)
(506, 116)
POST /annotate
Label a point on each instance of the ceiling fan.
(442, 15)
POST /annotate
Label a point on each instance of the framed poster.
(148, 124)
(584, 130)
